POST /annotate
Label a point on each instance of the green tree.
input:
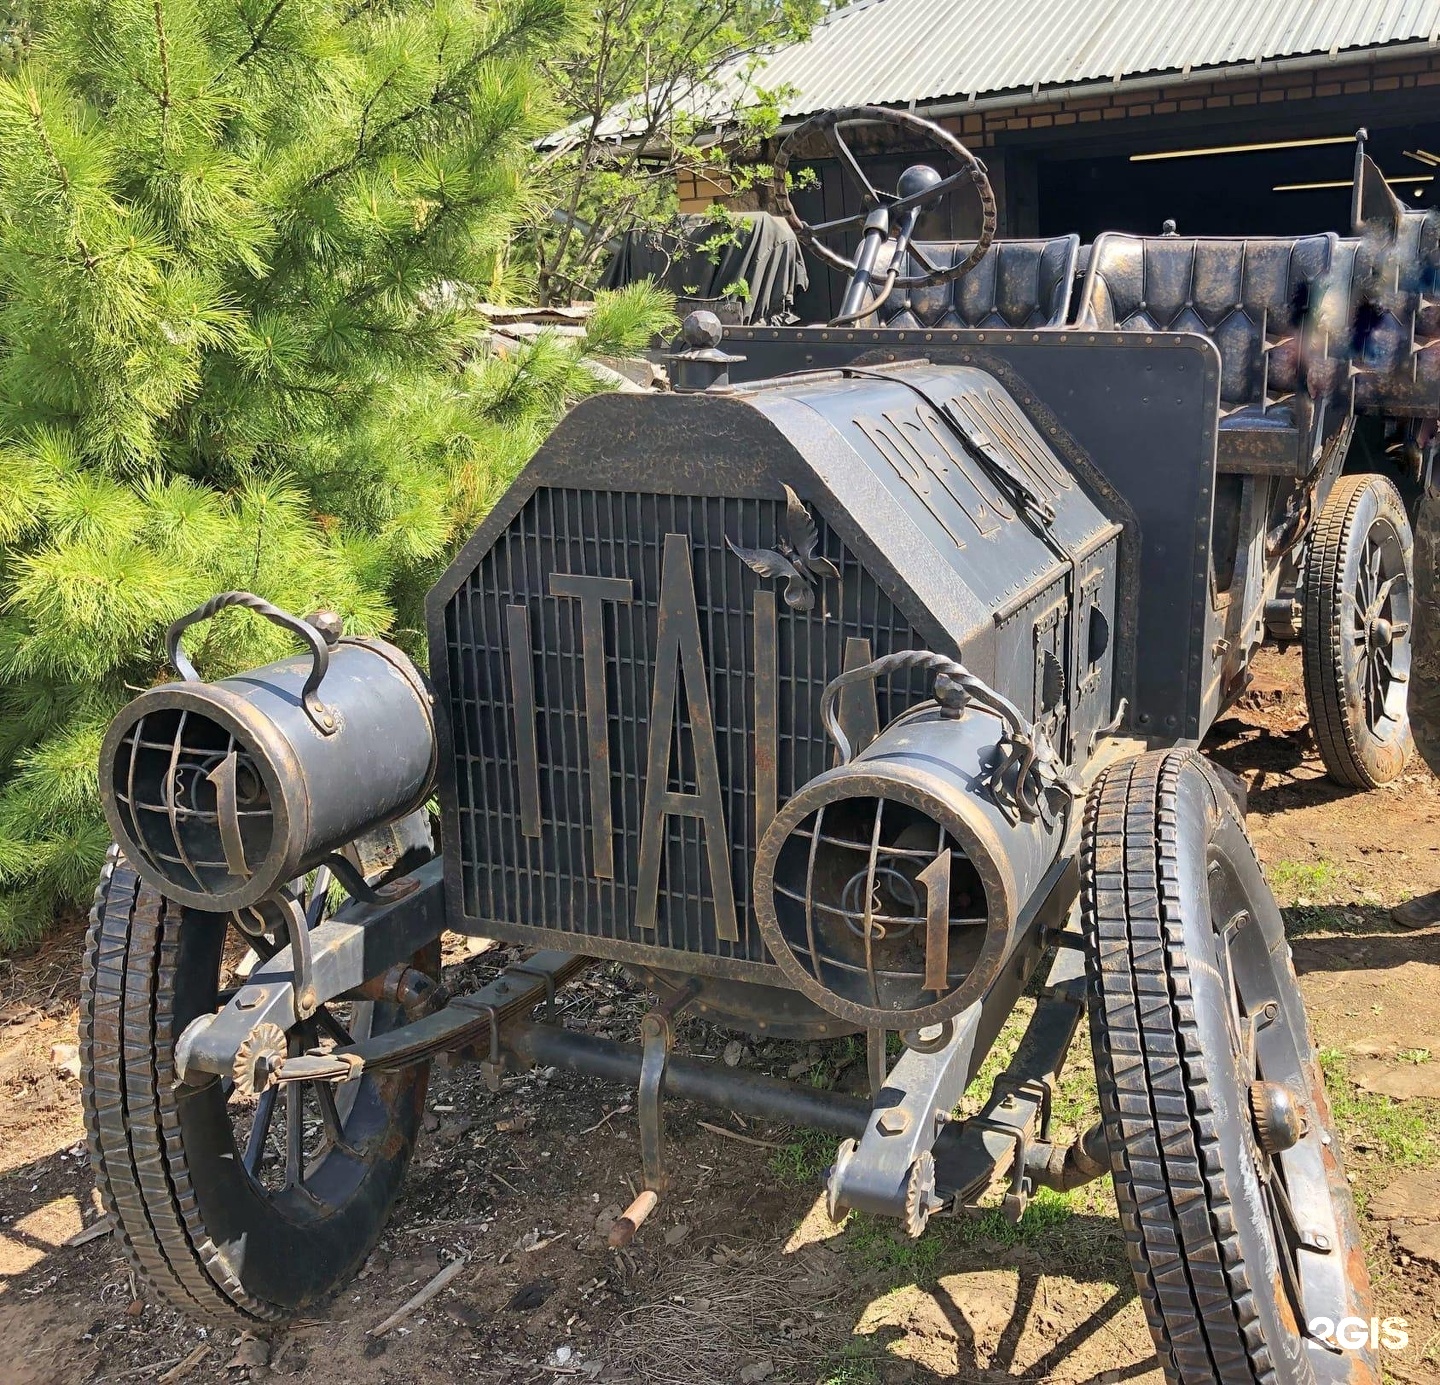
(241, 248)
(660, 87)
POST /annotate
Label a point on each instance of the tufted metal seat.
(1252, 297)
(1383, 312)
(1019, 283)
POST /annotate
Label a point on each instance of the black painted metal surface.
(631, 652)
(220, 793)
(1134, 416)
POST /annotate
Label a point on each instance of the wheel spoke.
(330, 1116)
(1242, 1028)
(852, 166)
(319, 897)
(337, 1031)
(259, 1132)
(1287, 1237)
(1383, 595)
(294, 1134)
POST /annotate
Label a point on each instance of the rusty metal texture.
(751, 695)
(221, 793)
(522, 699)
(766, 540)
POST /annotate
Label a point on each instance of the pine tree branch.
(163, 96)
(257, 38)
(175, 340)
(37, 118)
(451, 90)
(369, 107)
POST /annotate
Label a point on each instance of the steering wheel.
(971, 172)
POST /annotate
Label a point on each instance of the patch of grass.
(1048, 1213)
(803, 1162)
(1070, 1229)
(1400, 1133)
(877, 1243)
(1414, 1055)
(1294, 880)
(835, 1057)
(857, 1364)
(1076, 1104)
(998, 1059)
(1077, 1231)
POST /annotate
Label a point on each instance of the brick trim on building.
(1219, 93)
(1333, 93)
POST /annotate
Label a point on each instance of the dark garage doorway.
(1229, 194)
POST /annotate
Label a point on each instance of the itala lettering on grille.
(679, 671)
(634, 700)
(678, 652)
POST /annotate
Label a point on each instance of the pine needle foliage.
(240, 245)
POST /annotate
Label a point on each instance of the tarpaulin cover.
(762, 253)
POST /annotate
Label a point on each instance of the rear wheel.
(237, 1208)
(1357, 631)
(1238, 1221)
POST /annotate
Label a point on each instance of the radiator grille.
(549, 880)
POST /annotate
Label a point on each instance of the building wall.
(699, 192)
(1252, 99)
(1064, 163)
(1285, 101)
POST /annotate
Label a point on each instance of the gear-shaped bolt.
(257, 1058)
(1279, 1118)
(920, 1199)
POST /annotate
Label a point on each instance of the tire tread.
(131, 1111)
(1175, 1205)
(1324, 673)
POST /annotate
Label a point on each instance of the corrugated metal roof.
(895, 52)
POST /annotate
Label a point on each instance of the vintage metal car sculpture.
(846, 688)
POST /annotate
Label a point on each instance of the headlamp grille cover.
(880, 908)
(220, 793)
(193, 801)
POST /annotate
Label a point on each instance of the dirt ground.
(739, 1277)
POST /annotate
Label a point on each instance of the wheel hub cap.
(1382, 634)
(1278, 1116)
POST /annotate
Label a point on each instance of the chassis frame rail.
(905, 1124)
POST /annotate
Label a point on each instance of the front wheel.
(237, 1209)
(1238, 1221)
(1358, 581)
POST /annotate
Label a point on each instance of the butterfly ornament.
(794, 557)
